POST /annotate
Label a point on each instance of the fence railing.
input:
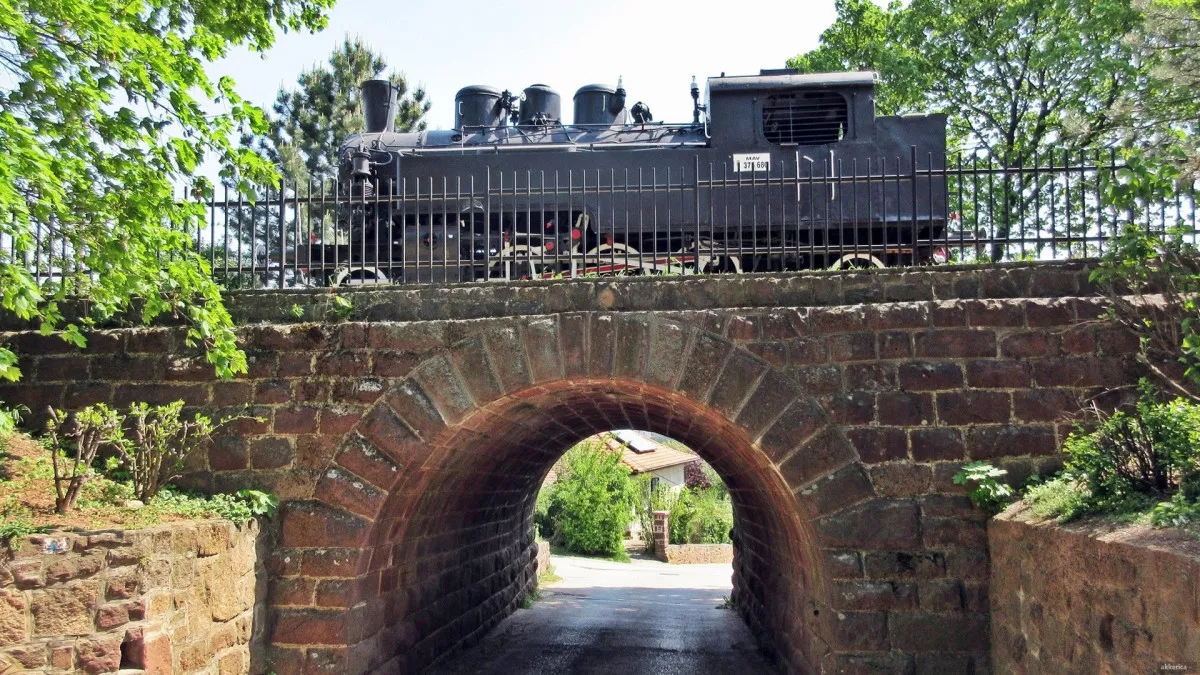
(660, 218)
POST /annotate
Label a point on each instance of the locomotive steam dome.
(477, 106)
(595, 103)
(542, 105)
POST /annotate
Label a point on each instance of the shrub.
(161, 440)
(1147, 454)
(703, 516)
(592, 503)
(73, 443)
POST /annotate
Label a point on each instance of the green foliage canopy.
(1014, 76)
(104, 107)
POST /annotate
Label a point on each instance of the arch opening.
(453, 549)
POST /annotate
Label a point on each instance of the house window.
(805, 118)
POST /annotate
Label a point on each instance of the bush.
(703, 516)
(1137, 462)
(1147, 454)
(591, 505)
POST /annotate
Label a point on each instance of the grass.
(1064, 500)
(547, 576)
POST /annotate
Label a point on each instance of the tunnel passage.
(431, 498)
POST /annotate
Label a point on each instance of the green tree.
(592, 503)
(309, 122)
(1014, 76)
(105, 108)
(1023, 81)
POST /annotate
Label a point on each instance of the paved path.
(620, 618)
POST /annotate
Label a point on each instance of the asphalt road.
(620, 618)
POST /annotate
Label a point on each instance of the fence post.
(661, 534)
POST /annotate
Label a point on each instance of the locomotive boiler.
(780, 170)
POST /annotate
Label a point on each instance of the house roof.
(645, 455)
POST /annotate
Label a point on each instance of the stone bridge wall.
(408, 443)
(178, 598)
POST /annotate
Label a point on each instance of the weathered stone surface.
(121, 599)
(1080, 596)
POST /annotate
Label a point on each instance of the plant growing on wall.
(986, 489)
(161, 441)
(1151, 281)
(73, 443)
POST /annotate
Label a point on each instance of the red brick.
(1039, 313)
(1045, 405)
(742, 328)
(296, 420)
(309, 627)
(343, 364)
(229, 394)
(1000, 441)
(346, 491)
(997, 374)
(309, 524)
(228, 453)
(849, 485)
(895, 345)
(958, 408)
(901, 409)
(853, 408)
(852, 347)
(332, 562)
(1027, 345)
(270, 453)
(296, 364)
(877, 524)
(994, 313)
(803, 351)
(338, 419)
(879, 444)
(820, 455)
(876, 595)
(273, 391)
(800, 421)
(953, 343)
(930, 375)
(935, 444)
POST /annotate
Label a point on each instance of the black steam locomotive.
(781, 170)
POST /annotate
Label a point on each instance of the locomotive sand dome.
(477, 106)
(768, 175)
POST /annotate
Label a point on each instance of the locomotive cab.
(788, 109)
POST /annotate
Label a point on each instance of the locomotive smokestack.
(379, 105)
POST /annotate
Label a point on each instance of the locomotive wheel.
(515, 262)
(709, 261)
(608, 260)
(857, 261)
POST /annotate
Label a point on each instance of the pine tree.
(308, 123)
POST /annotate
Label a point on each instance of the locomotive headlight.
(360, 164)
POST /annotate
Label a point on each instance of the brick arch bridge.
(408, 446)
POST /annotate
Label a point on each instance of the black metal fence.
(683, 219)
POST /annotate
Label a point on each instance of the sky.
(655, 46)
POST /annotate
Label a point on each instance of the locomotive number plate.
(757, 162)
